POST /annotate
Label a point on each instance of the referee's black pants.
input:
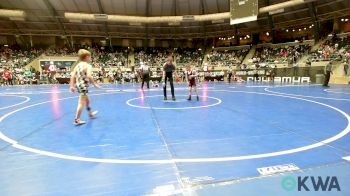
(169, 76)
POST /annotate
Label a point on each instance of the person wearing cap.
(328, 71)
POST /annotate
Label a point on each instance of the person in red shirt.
(8, 77)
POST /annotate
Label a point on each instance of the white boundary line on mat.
(218, 101)
(306, 96)
(17, 104)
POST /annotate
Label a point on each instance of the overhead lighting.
(310, 27)
(267, 33)
(6, 45)
(287, 30)
(293, 30)
(17, 18)
(342, 19)
(188, 18)
(346, 20)
(299, 29)
(248, 36)
(244, 20)
(276, 11)
(12, 13)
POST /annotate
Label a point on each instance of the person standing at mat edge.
(144, 74)
(81, 76)
(168, 70)
(328, 71)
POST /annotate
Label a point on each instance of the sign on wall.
(49, 65)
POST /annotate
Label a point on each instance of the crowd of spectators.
(189, 55)
(18, 76)
(12, 61)
(16, 58)
(335, 49)
(226, 57)
(107, 58)
(287, 54)
(154, 57)
(59, 52)
(101, 56)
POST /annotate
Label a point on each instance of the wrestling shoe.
(78, 122)
(93, 114)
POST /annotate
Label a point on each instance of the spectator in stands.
(28, 76)
(118, 76)
(7, 75)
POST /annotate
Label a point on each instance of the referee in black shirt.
(168, 70)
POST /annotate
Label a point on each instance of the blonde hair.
(82, 53)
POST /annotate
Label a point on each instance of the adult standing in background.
(144, 69)
(229, 74)
(328, 71)
(346, 68)
(308, 67)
